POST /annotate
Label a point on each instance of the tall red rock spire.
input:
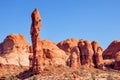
(37, 59)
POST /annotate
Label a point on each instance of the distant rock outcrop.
(112, 49)
(112, 53)
(14, 50)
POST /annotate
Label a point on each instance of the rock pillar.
(37, 57)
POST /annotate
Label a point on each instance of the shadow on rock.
(25, 74)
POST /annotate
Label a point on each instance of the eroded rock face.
(14, 42)
(97, 57)
(113, 53)
(53, 55)
(112, 49)
(94, 46)
(117, 61)
(15, 50)
(74, 59)
(86, 53)
(37, 60)
(1, 48)
(70, 46)
(67, 45)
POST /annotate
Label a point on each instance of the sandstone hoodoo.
(83, 52)
(86, 53)
(97, 56)
(74, 59)
(37, 59)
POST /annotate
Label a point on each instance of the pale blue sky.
(62, 19)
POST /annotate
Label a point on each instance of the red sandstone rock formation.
(112, 49)
(37, 60)
(94, 46)
(112, 54)
(117, 61)
(97, 57)
(86, 53)
(53, 55)
(15, 50)
(70, 46)
(74, 59)
(67, 45)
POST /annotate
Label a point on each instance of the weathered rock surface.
(97, 56)
(74, 59)
(15, 50)
(94, 46)
(112, 53)
(67, 45)
(117, 61)
(112, 49)
(37, 59)
(86, 53)
(53, 55)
